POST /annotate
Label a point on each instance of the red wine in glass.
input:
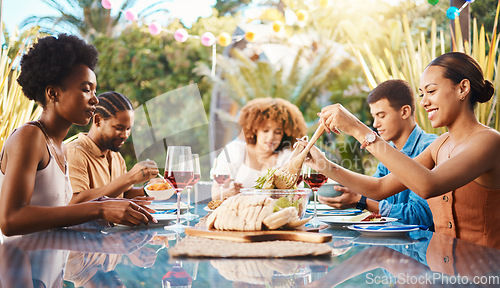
(179, 179)
(196, 178)
(221, 179)
(177, 277)
(314, 180)
(299, 179)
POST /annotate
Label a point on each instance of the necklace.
(60, 160)
(459, 143)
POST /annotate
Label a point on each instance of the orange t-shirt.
(90, 168)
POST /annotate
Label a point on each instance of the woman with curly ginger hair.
(58, 73)
(270, 127)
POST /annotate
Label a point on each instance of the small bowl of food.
(160, 190)
(328, 190)
(297, 198)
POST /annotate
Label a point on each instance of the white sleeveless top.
(52, 186)
(236, 151)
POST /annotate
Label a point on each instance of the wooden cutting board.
(259, 236)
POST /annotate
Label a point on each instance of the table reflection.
(40, 259)
(177, 277)
(274, 272)
(95, 256)
(434, 260)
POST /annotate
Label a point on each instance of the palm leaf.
(409, 62)
(15, 109)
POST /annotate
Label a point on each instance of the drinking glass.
(196, 177)
(179, 171)
(221, 174)
(314, 180)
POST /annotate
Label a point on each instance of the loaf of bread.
(251, 213)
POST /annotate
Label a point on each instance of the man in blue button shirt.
(392, 106)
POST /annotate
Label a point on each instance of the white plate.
(346, 220)
(364, 240)
(319, 206)
(163, 219)
(334, 212)
(165, 216)
(384, 230)
(166, 206)
(207, 209)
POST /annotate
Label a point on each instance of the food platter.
(347, 220)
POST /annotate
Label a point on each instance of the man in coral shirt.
(95, 163)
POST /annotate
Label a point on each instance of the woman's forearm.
(27, 219)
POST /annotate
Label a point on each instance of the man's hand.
(348, 199)
(316, 159)
(143, 171)
(335, 117)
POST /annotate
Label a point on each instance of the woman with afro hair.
(58, 73)
(270, 126)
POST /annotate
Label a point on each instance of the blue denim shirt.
(406, 205)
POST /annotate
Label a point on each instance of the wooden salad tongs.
(286, 176)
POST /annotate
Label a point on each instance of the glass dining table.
(93, 255)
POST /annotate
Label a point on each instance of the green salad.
(284, 202)
(267, 181)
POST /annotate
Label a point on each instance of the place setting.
(358, 219)
(333, 212)
(385, 230)
(182, 172)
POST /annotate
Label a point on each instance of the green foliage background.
(143, 66)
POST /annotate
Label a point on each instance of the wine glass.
(179, 172)
(314, 180)
(196, 177)
(221, 174)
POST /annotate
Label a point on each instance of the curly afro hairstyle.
(258, 111)
(50, 61)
